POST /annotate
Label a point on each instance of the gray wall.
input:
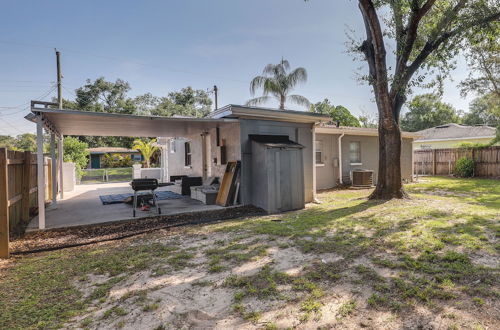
(229, 136)
(327, 175)
(301, 133)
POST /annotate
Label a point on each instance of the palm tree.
(278, 81)
(147, 149)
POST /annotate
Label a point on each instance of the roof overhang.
(456, 139)
(239, 111)
(358, 131)
(72, 122)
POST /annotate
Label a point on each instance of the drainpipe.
(340, 158)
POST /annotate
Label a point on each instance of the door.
(95, 161)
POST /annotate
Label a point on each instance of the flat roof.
(241, 111)
(75, 122)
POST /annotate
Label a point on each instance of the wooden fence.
(442, 161)
(18, 192)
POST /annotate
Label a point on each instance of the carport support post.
(60, 149)
(40, 172)
(53, 168)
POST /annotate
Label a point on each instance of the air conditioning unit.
(362, 178)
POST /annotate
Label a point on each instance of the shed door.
(288, 177)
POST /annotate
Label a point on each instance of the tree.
(278, 81)
(186, 102)
(77, 152)
(367, 120)
(338, 112)
(427, 34)
(483, 59)
(426, 111)
(483, 110)
(105, 96)
(147, 149)
(7, 141)
(26, 142)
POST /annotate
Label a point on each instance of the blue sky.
(161, 46)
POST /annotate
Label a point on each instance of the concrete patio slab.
(83, 207)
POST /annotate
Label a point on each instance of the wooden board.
(228, 187)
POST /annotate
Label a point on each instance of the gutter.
(340, 157)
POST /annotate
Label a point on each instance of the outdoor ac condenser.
(362, 178)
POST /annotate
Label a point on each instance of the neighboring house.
(97, 154)
(452, 135)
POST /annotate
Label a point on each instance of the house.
(337, 150)
(340, 150)
(284, 155)
(97, 155)
(453, 135)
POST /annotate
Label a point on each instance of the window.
(136, 157)
(187, 153)
(319, 152)
(355, 152)
(172, 146)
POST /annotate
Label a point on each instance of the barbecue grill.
(143, 185)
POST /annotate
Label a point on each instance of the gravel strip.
(53, 239)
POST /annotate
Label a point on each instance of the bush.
(117, 160)
(76, 151)
(464, 167)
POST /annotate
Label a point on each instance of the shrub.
(464, 167)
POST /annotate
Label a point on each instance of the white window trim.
(320, 164)
(356, 164)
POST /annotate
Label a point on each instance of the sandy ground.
(193, 298)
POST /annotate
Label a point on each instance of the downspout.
(340, 158)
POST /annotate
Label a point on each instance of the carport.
(61, 122)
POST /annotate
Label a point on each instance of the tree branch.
(374, 49)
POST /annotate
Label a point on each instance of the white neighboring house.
(452, 135)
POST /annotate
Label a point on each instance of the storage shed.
(277, 173)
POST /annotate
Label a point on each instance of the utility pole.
(60, 141)
(215, 92)
(59, 77)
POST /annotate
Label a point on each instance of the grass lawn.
(114, 175)
(428, 262)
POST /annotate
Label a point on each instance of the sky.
(161, 46)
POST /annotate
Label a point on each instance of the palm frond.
(258, 100)
(296, 76)
(299, 100)
(257, 83)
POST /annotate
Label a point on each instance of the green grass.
(114, 175)
(429, 244)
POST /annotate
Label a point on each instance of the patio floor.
(83, 207)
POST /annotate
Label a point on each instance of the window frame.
(188, 161)
(318, 151)
(356, 161)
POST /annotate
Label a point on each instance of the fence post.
(25, 189)
(4, 204)
(433, 161)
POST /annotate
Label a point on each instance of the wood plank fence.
(18, 197)
(442, 161)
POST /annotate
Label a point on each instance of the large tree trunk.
(389, 183)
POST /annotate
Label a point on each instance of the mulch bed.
(53, 239)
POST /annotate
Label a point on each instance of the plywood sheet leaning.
(228, 185)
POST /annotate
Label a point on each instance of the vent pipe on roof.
(338, 123)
